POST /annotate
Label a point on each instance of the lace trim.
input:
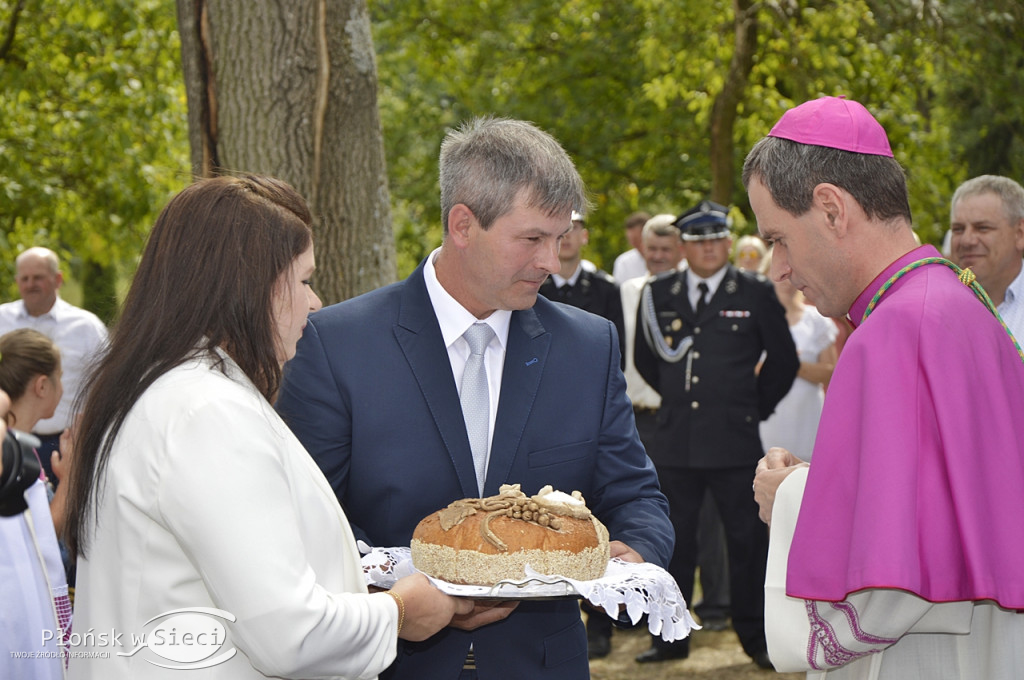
(823, 636)
(641, 588)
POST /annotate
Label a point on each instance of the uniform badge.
(730, 286)
(668, 340)
(677, 287)
(677, 324)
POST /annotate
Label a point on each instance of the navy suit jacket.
(371, 395)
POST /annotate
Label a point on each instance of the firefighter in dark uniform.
(580, 284)
(700, 336)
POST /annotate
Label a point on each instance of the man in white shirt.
(631, 264)
(987, 227)
(78, 334)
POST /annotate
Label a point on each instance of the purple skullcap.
(836, 123)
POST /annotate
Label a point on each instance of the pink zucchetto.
(836, 123)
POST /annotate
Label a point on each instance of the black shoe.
(663, 654)
(762, 661)
(715, 625)
(598, 646)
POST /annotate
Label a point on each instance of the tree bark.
(723, 112)
(289, 89)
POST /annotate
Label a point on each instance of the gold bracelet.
(401, 608)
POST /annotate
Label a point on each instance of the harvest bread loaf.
(481, 541)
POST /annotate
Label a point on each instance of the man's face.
(662, 253)
(708, 256)
(985, 240)
(506, 264)
(573, 242)
(803, 253)
(37, 285)
(634, 234)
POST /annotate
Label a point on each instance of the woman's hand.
(427, 609)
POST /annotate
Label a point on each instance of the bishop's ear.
(832, 203)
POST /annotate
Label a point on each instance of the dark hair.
(790, 171)
(24, 354)
(206, 280)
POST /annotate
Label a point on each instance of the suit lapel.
(419, 336)
(525, 357)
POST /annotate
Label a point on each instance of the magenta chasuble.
(918, 475)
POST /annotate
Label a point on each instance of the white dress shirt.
(557, 279)
(1012, 307)
(454, 319)
(78, 334)
(629, 265)
(712, 282)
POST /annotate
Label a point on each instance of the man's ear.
(460, 220)
(832, 203)
(1018, 234)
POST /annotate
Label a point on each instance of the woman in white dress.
(198, 519)
(35, 611)
(794, 425)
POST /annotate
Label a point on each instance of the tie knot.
(703, 288)
(478, 335)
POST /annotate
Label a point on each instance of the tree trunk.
(723, 112)
(289, 89)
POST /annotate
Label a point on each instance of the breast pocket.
(564, 453)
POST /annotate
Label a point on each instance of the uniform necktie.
(476, 399)
(702, 301)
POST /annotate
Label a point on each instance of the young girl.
(36, 613)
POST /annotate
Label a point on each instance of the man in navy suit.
(374, 394)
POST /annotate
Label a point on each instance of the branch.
(12, 27)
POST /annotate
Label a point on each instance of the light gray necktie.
(476, 398)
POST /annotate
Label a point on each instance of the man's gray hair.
(790, 171)
(660, 225)
(1009, 192)
(488, 162)
(46, 254)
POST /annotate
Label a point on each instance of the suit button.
(695, 379)
(696, 354)
(750, 419)
(696, 331)
(735, 327)
(694, 405)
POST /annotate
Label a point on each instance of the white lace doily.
(643, 589)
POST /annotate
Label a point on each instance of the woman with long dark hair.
(197, 517)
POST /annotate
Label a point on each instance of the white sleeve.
(227, 497)
(806, 635)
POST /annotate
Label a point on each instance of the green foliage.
(628, 88)
(93, 113)
(92, 131)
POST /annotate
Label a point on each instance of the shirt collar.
(452, 317)
(856, 312)
(52, 313)
(713, 281)
(1016, 288)
(559, 281)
